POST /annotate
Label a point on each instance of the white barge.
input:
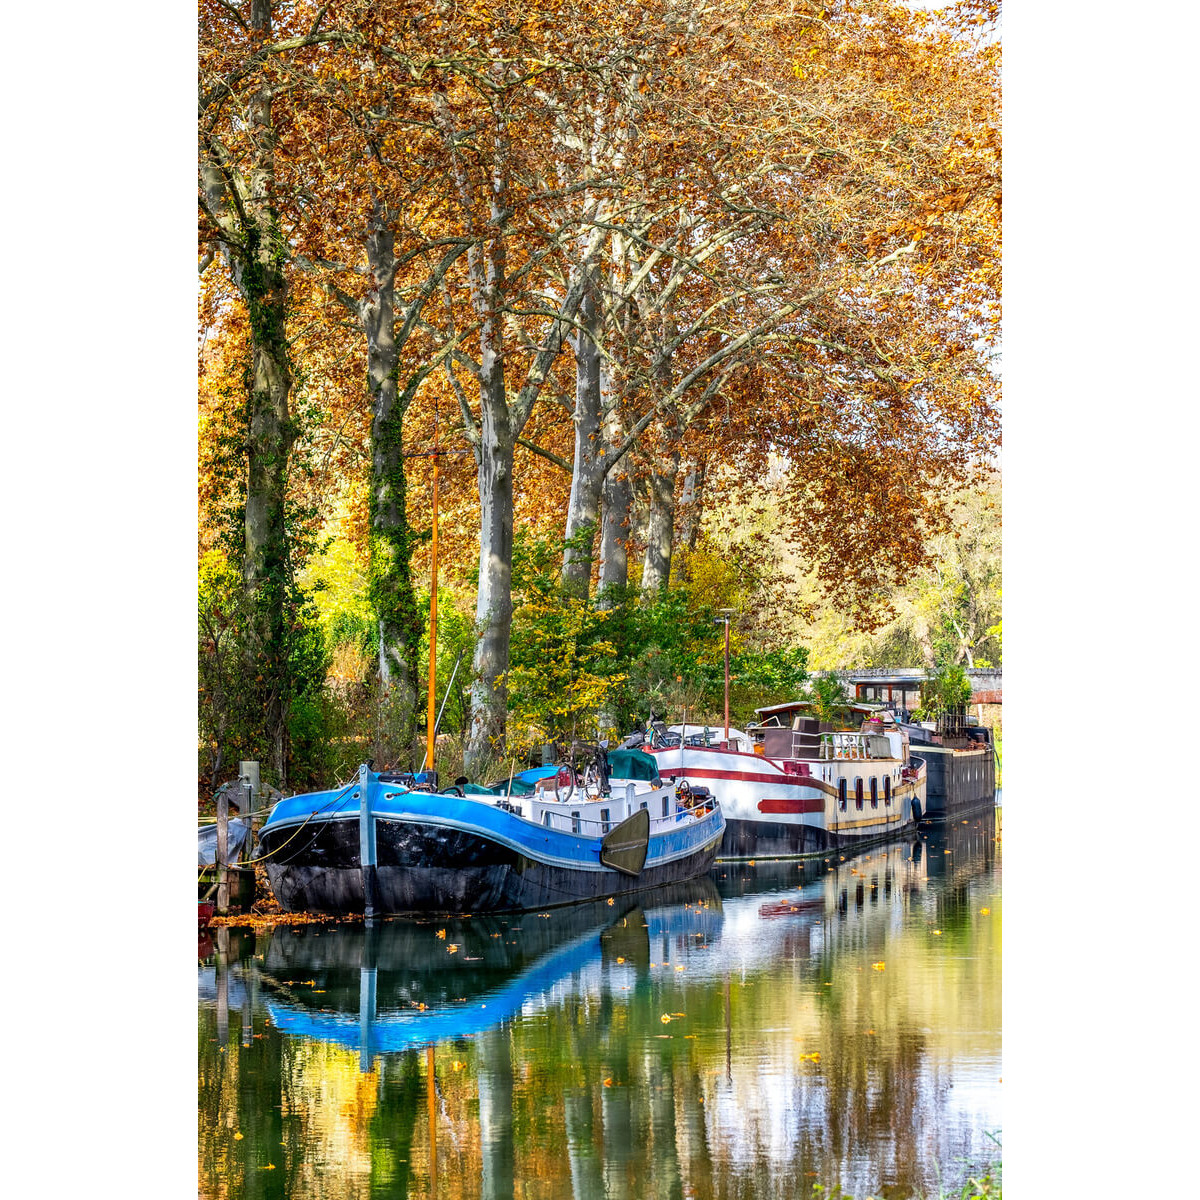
(805, 788)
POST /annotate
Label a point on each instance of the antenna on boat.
(431, 723)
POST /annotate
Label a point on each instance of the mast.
(430, 723)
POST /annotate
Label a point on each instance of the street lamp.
(725, 620)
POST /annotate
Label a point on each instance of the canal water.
(772, 1026)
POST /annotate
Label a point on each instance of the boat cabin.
(792, 731)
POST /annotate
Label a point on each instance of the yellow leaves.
(620, 959)
(237, 1137)
(665, 1018)
(937, 933)
(456, 1065)
(442, 934)
(983, 912)
(877, 966)
(609, 902)
(452, 949)
(814, 1057)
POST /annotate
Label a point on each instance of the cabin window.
(575, 822)
(858, 792)
(643, 804)
(842, 795)
(545, 816)
(887, 790)
(666, 806)
(604, 820)
(874, 792)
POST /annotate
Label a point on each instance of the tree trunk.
(493, 610)
(259, 275)
(587, 477)
(390, 588)
(691, 504)
(617, 500)
(660, 527)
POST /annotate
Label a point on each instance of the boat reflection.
(400, 984)
(754, 1032)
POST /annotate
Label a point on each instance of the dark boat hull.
(958, 781)
(422, 867)
(771, 839)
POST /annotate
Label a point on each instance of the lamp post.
(719, 620)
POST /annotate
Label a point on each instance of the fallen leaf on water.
(937, 933)
(665, 1018)
(442, 934)
(451, 949)
(608, 1083)
(681, 967)
(984, 911)
(877, 966)
(458, 1066)
(237, 1137)
(610, 902)
(619, 959)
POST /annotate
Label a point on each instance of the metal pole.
(726, 682)
(366, 842)
(430, 722)
(442, 711)
(431, 1108)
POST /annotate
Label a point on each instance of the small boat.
(804, 789)
(381, 847)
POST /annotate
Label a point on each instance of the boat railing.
(563, 818)
(855, 745)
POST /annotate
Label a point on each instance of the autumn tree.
(238, 139)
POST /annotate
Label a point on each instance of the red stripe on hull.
(744, 776)
(804, 804)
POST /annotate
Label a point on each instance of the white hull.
(775, 807)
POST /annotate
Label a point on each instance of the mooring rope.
(315, 813)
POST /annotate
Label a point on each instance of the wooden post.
(252, 778)
(222, 853)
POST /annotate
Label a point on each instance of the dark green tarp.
(632, 764)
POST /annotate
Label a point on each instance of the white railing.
(567, 820)
(855, 745)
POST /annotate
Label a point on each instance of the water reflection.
(771, 1026)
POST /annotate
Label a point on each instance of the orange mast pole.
(430, 719)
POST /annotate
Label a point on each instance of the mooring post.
(222, 853)
(366, 842)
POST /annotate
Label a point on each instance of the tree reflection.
(796, 1025)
